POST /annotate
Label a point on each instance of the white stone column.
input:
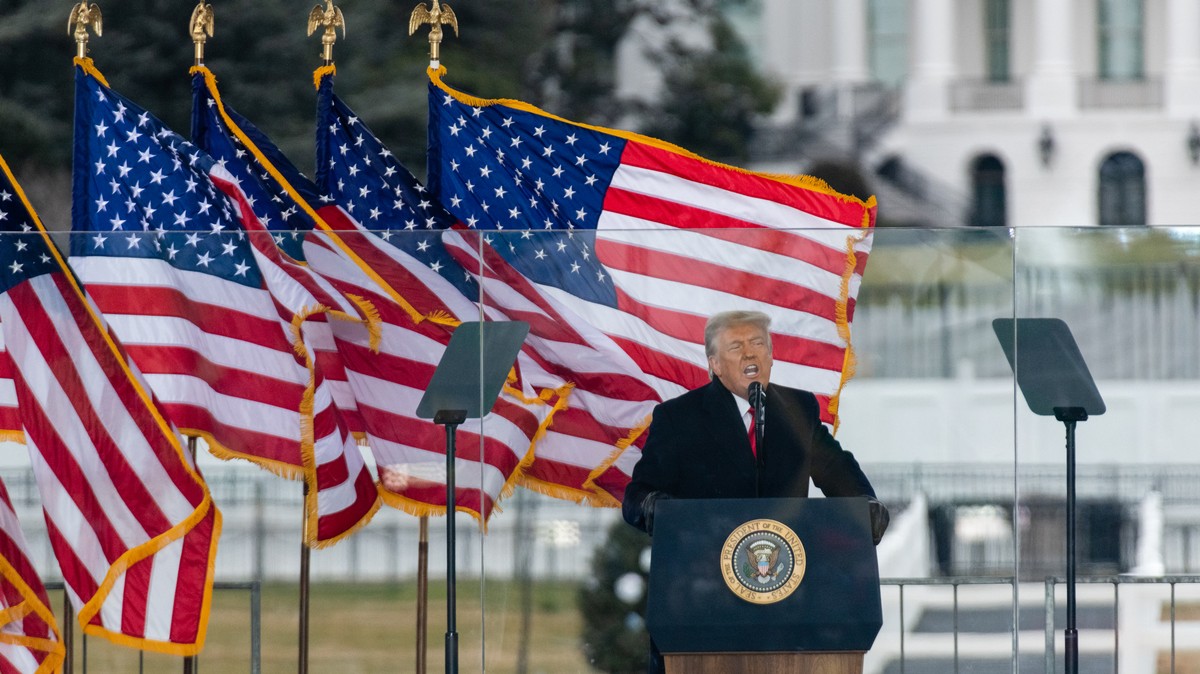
(849, 41)
(1052, 88)
(1181, 85)
(931, 41)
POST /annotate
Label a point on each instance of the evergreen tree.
(713, 98)
(712, 95)
(613, 603)
(264, 60)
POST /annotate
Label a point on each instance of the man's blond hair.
(718, 323)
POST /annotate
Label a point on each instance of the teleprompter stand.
(465, 386)
(1055, 381)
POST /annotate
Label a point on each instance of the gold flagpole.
(330, 19)
(438, 16)
(201, 28)
(82, 16)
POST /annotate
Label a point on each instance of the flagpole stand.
(451, 419)
(305, 555)
(422, 593)
(189, 661)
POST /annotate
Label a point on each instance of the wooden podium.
(763, 586)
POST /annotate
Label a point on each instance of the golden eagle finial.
(436, 17)
(330, 18)
(82, 16)
(201, 28)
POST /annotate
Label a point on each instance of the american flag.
(641, 241)
(585, 374)
(386, 376)
(387, 218)
(287, 225)
(29, 642)
(160, 241)
(130, 520)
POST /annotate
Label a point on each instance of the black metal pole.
(1071, 637)
(1070, 416)
(68, 632)
(451, 580)
(451, 418)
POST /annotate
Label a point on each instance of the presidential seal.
(763, 561)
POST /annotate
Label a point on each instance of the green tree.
(712, 95)
(712, 98)
(614, 634)
(263, 60)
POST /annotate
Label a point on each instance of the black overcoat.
(698, 448)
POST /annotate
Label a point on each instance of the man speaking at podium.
(705, 443)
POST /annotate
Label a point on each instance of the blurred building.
(991, 112)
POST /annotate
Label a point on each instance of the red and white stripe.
(10, 414)
(609, 402)
(131, 523)
(214, 352)
(684, 238)
(29, 638)
(219, 358)
(341, 494)
(409, 451)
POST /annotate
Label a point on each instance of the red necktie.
(750, 434)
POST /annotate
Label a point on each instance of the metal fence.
(1112, 620)
(187, 665)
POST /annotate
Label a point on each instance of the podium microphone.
(758, 401)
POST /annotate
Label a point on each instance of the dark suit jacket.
(698, 448)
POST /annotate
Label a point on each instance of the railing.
(253, 587)
(1116, 582)
(1120, 94)
(1049, 606)
(954, 583)
(986, 96)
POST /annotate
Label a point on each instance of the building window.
(1120, 32)
(1122, 190)
(989, 197)
(996, 39)
(888, 40)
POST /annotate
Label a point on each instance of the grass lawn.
(367, 628)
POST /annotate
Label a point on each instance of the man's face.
(742, 357)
